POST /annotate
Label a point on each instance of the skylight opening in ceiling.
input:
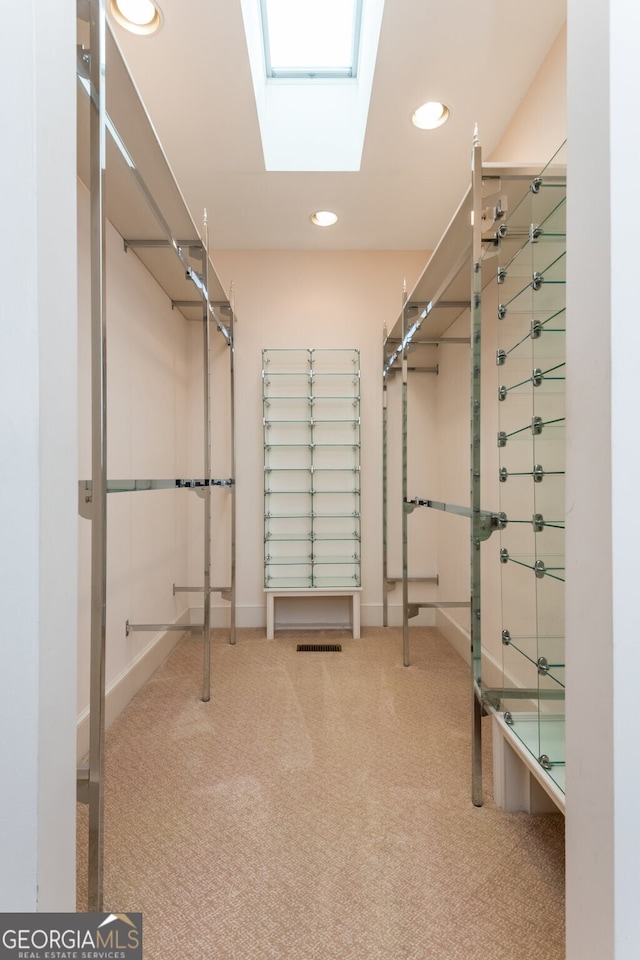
(311, 39)
(313, 105)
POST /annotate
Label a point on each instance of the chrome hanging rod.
(488, 521)
(225, 592)
(133, 486)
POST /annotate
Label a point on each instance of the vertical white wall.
(39, 443)
(603, 725)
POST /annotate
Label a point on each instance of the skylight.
(312, 101)
(311, 39)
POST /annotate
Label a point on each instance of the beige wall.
(539, 125)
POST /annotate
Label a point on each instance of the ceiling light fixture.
(430, 115)
(138, 16)
(323, 218)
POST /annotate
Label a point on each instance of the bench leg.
(355, 616)
(270, 616)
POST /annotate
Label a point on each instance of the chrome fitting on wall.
(539, 569)
(543, 666)
(499, 521)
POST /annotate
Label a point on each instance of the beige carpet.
(318, 808)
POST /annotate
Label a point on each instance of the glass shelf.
(287, 583)
(312, 516)
(333, 560)
(286, 538)
(545, 654)
(312, 492)
(285, 362)
(287, 561)
(311, 406)
(337, 581)
(352, 537)
(287, 516)
(334, 373)
(543, 736)
(530, 279)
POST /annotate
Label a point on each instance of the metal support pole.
(385, 584)
(206, 332)
(97, 26)
(476, 518)
(232, 375)
(405, 533)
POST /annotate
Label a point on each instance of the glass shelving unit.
(505, 245)
(311, 422)
(531, 358)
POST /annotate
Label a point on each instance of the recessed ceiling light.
(430, 115)
(323, 218)
(138, 16)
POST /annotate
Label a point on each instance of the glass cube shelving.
(531, 440)
(311, 425)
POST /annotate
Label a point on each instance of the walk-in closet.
(317, 494)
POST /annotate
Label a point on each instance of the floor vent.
(319, 648)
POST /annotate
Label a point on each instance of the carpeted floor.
(318, 808)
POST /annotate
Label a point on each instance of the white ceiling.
(478, 56)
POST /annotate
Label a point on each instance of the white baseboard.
(456, 635)
(492, 670)
(220, 615)
(426, 616)
(121, 690)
